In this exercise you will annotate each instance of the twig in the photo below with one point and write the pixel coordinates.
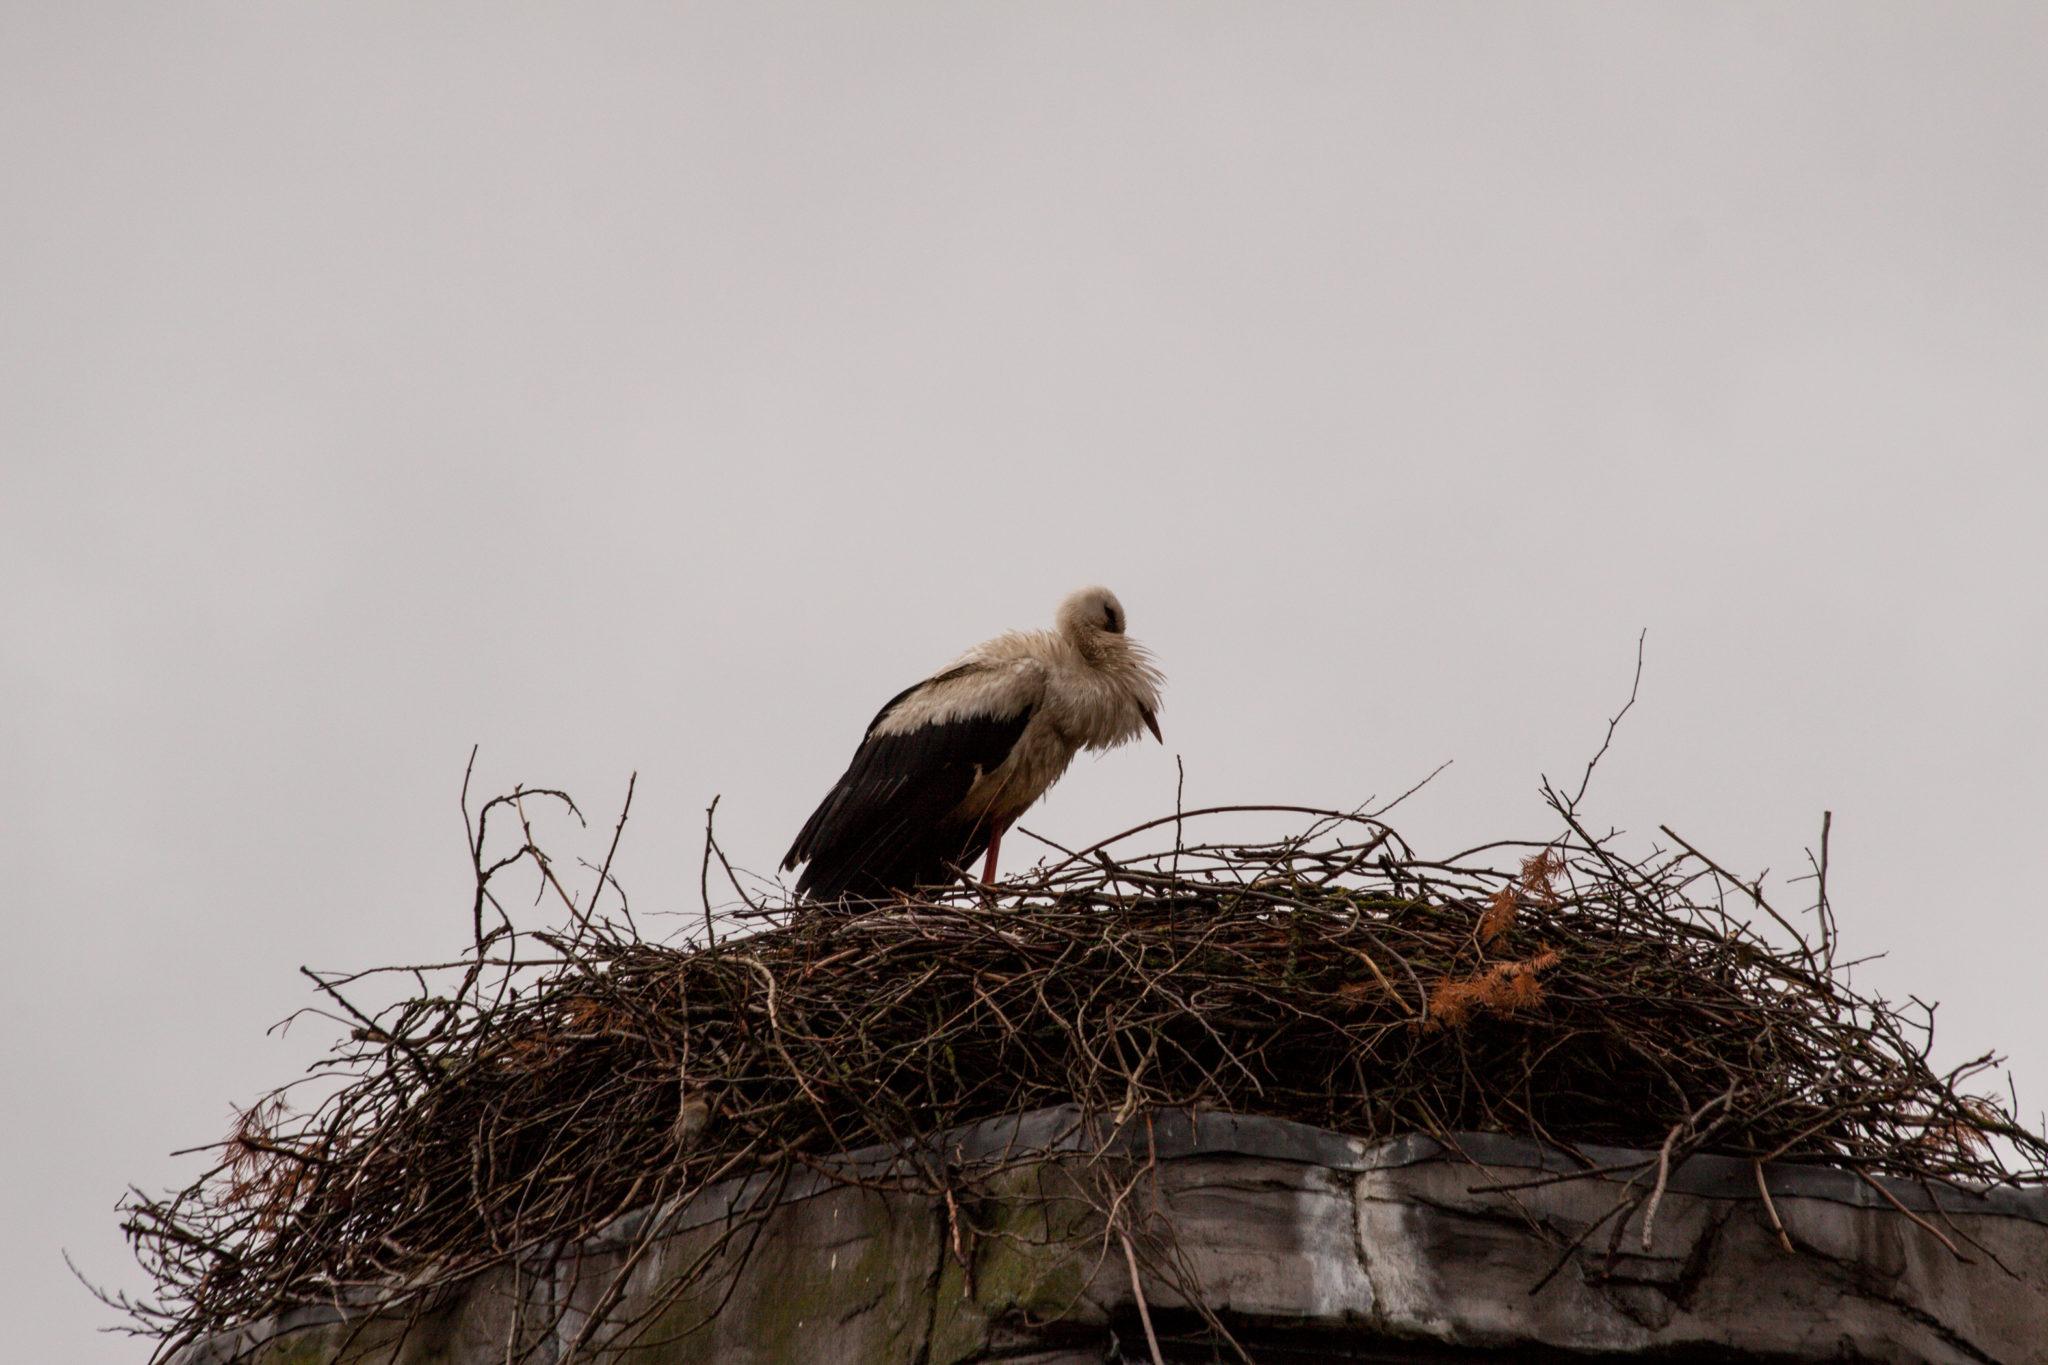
(1777, 1224)
(604, 874)
(1755, 893)
(1138, 1293)
(1376, 814)
(1657, 1194)
(1934, 1231)
(1616, 720)
(1690, 1121)
(1827, 912)
(704, 876)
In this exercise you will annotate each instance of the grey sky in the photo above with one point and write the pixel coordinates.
(659, 389)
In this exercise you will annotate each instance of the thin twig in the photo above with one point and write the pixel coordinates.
(704, 876)
(1777, 1224)
(1932, 1230)
(1615, 721)
(1138, 1293)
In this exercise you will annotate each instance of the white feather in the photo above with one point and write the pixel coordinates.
(1087, 687)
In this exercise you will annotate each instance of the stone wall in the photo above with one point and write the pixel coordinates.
(1310, 1247)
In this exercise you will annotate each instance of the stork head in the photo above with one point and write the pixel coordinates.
(1093, 621)
(1090, 613)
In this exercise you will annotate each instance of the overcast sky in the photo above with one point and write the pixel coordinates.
(657, 389)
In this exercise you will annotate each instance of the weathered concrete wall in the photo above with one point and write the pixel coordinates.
(1306, 1243)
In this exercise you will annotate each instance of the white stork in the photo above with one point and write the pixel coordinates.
(949, 764)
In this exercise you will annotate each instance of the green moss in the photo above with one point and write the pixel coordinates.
(876, 1285)
(1033, 1264)
(315, 1347)
(333, 1344)
(796, 1289)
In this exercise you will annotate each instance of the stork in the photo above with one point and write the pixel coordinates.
(949, 764)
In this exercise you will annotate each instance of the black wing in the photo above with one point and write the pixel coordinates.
(885, 826)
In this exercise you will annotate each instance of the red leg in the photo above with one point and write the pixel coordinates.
(988, 870)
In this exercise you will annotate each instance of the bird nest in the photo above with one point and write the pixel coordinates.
(1558, 990)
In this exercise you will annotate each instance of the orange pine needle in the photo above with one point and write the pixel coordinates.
(1499, 916)
(1501, 989)
(1539, 872)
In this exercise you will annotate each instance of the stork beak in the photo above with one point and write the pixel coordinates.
(1151, 723)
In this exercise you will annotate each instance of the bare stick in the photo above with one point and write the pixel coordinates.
(1663, 1175)
(1138, 1293)
(1827, 913)
(1180, 783)
(1937, 1233)
(704, 875)
(1615, 721)
(1178, 816)
(604, 874)
(1777, 1223)
(476, 852)
(1562, 1178)
(1376, 814)
(1755, 893)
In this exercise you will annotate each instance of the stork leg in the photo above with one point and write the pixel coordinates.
(988, 869)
